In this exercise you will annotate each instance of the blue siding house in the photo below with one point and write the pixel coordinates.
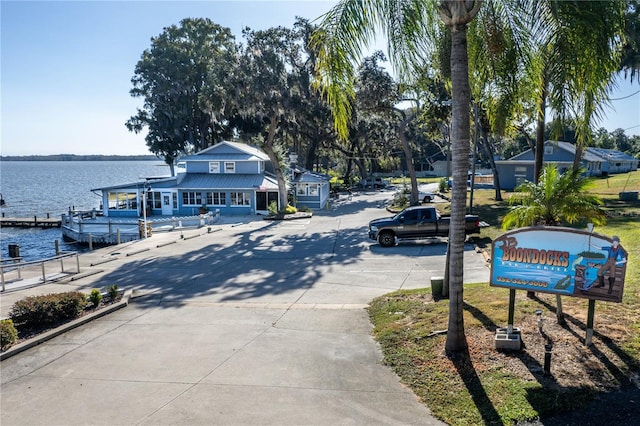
(310, 189)
(234, 178)
(595, 161)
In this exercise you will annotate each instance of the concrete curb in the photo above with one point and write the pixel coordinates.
(14, 350)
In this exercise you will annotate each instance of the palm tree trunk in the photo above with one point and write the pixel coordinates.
(460, 134)
(539, 151)
(540, 127)
(488, 149)
(409, 156)
(577, 158)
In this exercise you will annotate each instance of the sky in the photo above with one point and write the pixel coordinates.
(66, 68)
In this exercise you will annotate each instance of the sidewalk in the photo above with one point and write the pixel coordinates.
(259, 322)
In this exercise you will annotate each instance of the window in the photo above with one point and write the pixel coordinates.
(307, 189)
(214, 167)
(411, 216)
(216, 198)
(122, 200)
(191, 199)
(174, 199)
(240, 199)
(229, 167)
(427, 214)
(520, 174)
(548, 149)
(157, 199)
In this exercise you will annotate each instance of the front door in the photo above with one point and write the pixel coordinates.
(261, 201)
(167, 204)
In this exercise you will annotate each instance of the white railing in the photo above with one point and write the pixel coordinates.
(85, 227)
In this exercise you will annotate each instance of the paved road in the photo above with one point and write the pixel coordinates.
(259, 322)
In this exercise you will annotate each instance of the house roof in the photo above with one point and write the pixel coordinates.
(229, 151)
(587, 155)
(166, 182)
(307, 176)
(199, 181)
(203, 181)
(611, 154)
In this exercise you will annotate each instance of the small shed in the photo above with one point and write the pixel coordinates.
(310, 189)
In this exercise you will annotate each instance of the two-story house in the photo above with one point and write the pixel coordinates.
(234, 178)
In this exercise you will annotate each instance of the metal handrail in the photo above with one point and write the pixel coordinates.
(21, 265)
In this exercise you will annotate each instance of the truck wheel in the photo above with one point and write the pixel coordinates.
(387, 239)
(426, 199)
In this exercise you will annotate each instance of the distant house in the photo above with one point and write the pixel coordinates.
(234, 178)
(311, 189)
(595, 161)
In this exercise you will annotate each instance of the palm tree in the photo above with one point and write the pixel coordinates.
(412, 29)
(575, 52)
(556, 199)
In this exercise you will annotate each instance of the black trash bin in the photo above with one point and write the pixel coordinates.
(14, 250)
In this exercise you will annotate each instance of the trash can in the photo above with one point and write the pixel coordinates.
(14, 250)
(437, 283)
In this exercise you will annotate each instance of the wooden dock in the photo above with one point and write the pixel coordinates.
(31, 222)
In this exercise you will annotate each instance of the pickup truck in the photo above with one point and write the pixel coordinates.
(416, 222)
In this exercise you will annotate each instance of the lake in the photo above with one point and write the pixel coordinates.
(35, 188)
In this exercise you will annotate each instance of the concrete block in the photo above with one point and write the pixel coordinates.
(510, 341)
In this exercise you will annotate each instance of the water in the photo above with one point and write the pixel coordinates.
(35, 188)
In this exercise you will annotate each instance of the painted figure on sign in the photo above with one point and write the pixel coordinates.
(615, 258)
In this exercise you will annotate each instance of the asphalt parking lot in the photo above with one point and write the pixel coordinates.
(256, 322)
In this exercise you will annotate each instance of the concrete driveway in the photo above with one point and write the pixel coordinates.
(259, 322)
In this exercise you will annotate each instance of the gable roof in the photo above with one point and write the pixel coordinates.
(565, 146)
(302, 175)
(227, 150)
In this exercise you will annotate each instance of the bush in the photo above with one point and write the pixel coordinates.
(112, 292)
(38, 311)
(443, 185)
(290, 209)
(95, 297)
(273, 208)
(8, 334)
(400, 200)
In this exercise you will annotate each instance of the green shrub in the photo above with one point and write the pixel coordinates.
(400, 200)
(95, 297)
(273, 207)
(8, 334)
(443, 185)
(37, 311)
(112, 292)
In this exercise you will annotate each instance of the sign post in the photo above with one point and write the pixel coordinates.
(591, 310)
(512, 307)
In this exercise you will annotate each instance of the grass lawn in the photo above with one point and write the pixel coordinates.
(484, 385)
